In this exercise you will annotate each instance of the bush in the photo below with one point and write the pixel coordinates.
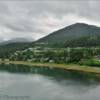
(90, 62)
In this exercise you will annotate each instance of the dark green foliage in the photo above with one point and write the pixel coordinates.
(69, 55)
(76, 55)
(6, 50)
(90, 62)
(86, 41)
(82, 56)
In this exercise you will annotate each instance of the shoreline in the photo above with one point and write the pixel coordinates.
(72, 67)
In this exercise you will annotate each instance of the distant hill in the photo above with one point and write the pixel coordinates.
(16, 44)
(71, 32)
(7, 49)
(16, 40)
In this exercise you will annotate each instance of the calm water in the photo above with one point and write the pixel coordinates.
(22, 83)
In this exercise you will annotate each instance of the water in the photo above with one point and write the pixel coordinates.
(44, 84)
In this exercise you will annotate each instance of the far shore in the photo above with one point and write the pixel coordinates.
(73, 67)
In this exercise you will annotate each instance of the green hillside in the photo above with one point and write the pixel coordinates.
(84, 41)
(7, 49)
(70, 33)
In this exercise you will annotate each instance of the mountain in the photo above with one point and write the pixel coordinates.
(71, 32)
(76, 35)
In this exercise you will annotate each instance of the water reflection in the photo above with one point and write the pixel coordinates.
(56, 73)
(46, 84)
(39, 87)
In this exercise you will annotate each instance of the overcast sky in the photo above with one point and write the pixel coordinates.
(37, 18)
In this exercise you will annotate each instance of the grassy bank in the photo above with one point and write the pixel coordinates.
(73, 67)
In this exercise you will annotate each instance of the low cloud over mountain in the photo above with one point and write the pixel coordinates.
(37, 18)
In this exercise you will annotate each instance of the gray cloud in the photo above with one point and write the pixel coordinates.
(37, 18)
